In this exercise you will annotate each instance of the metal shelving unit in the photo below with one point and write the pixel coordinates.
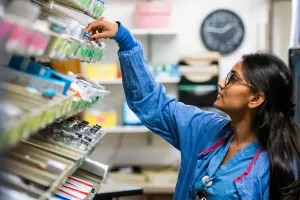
(32, 158)
(54, 5)
(43, 113)
(75, 156)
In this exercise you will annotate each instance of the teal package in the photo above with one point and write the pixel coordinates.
(21, 63)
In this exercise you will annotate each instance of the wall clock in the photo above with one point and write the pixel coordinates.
(222, 31)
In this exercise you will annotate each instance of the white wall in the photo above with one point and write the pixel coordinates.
(254, 13)
(187, 17)
(282, 16)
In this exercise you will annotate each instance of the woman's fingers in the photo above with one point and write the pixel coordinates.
(105, 34)
(102, 29)
(96, 25)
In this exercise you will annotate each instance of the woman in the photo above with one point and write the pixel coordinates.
(255, 155)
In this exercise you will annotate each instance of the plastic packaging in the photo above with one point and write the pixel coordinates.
(71, 27)
(85, 90)
(73, 133)
(23, 39)
(30, 14)
(80, 183)
(19, 39)
(99, 10)
(90, 10)
(96, 9)
(75, 46)
(84, 48)
(40, 40)
(95, 167)
(78, 32)
(55, 47)
(57, 25)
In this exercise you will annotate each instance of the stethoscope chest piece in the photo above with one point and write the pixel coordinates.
(207, 182)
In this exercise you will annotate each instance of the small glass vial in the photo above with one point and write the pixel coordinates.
(85, 143)
(75, 140)
(89, 143)
(88, 47)
(66, 137)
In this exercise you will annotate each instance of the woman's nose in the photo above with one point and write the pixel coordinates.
(221, 84)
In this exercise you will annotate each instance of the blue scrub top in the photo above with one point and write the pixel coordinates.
(198, 135)
(223, 186)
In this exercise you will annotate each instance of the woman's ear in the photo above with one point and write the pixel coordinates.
(256, 100)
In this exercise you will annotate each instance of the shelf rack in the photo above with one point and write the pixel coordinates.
(75, 156)
(49, 5)
(33, 120)
(161, 31)
(19, 140)
(72, 158)
(128, 129)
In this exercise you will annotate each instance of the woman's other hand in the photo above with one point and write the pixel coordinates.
(102, 29)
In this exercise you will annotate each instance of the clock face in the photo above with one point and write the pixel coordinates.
(222, 31)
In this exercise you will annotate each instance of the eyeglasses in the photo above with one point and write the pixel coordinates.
(232, 78)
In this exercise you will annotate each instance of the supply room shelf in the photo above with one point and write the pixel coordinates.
(37, 112)
(145, 31)
(128, 129)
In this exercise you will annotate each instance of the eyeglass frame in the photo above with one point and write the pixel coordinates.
(231, 75)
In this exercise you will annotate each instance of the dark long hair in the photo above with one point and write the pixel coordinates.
(273, 124)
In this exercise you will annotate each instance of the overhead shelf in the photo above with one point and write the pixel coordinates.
(46, 43)
(55, 5)
(128, 129)
(37, 112)
(144, 31)
(166, 80)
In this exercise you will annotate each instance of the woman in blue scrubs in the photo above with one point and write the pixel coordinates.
(253, 155)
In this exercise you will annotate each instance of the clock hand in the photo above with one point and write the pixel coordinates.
(227, 28)
(219, 30)
(213, 29)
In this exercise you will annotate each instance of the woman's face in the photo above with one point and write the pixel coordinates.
(234, 93)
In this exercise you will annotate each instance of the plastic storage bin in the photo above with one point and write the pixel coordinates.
(153, 14)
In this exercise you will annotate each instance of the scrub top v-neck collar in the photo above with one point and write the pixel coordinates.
(214, 169)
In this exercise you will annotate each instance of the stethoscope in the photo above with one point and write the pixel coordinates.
(207, 182)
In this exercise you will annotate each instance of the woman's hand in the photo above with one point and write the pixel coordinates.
(102, 29)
